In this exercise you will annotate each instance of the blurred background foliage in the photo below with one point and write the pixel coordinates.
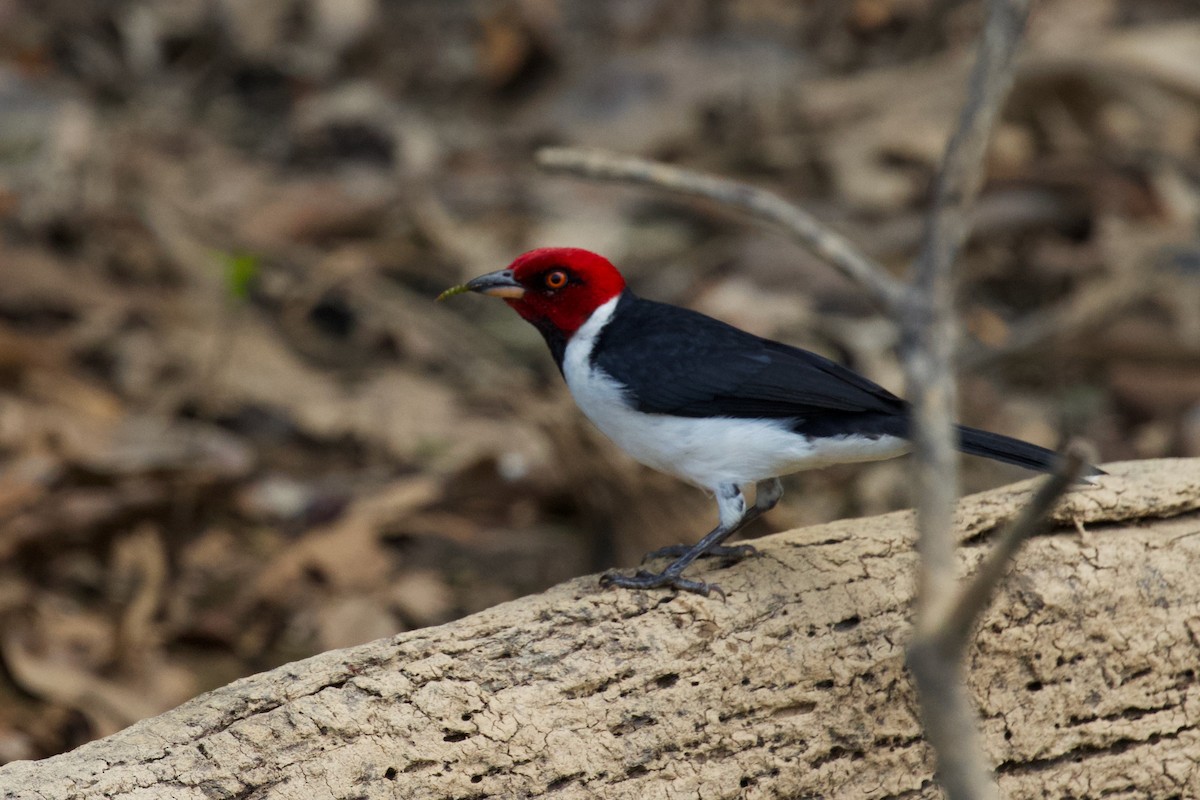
(234, 428)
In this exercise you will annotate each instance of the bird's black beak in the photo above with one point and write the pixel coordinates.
(497, 284)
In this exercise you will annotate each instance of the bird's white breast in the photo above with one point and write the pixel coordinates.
(705, 451)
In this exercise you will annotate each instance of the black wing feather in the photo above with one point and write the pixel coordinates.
(680, 362)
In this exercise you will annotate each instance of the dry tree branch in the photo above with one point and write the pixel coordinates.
(935, 655)
(973, 598)
(929, 332)
(767, 206)
(928, 339)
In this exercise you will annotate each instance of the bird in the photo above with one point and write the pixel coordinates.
(709, 403)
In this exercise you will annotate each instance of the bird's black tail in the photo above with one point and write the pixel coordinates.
(1011, 451)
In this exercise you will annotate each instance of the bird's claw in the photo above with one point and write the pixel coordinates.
(731, 553)
(657, 580)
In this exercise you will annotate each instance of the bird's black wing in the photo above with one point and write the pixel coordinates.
(680, 362)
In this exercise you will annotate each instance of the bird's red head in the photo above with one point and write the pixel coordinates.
(556, 286)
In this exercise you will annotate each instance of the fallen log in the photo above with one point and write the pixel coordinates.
(1084, 671)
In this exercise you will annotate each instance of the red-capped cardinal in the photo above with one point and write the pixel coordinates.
(705, 401)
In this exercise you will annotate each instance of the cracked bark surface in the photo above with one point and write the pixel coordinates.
(1085, 671)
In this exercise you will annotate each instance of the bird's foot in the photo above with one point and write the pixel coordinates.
(656, 580)
(731, 553)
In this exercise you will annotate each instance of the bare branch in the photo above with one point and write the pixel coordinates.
(928, 341)
(834, 248)
(935, 655)
(929, 331)
(955, 629)
(961, 172)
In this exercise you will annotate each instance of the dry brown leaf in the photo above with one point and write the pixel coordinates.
(53, 672)
(349, 553)
(138, 583)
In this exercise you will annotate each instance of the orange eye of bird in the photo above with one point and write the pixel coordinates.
(556, 279)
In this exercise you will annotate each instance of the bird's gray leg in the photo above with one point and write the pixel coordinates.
(733, 514)
(766, 497)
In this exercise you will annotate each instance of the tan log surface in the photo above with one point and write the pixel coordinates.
(1085, 671)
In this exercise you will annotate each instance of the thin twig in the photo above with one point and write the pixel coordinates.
(936, 653)
(955, 629)
(929, 333)
(831, 246)
(928, 338)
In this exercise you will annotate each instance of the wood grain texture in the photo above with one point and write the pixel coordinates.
(1085, 672)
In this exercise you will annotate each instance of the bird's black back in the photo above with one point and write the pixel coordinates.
(680, 362)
